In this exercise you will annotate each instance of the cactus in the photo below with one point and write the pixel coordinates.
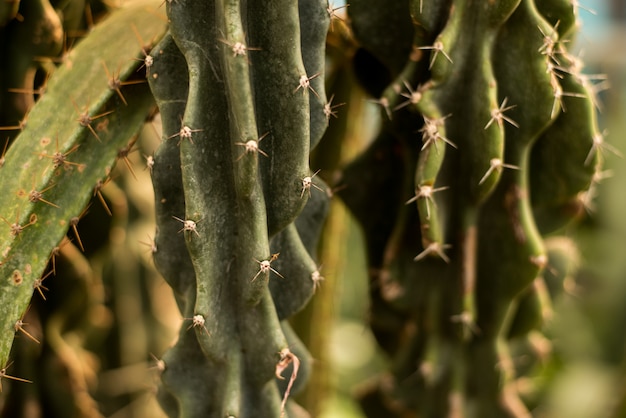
(86, 118)
(489, 140)
(245, 123)
(492, 93)
(50, 173)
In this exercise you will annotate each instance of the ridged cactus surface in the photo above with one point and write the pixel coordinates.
(242, 102)
(494, 126)
(491, 124)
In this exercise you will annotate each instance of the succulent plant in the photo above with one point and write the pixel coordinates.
(492, 127)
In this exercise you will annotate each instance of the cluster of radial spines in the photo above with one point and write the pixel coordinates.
(426, 192)
(329, 109)
(431, 132)
(558, 62)
(413, 95)
(436, 48)
(251, 147)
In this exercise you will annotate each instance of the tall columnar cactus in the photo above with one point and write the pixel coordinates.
(492, 126)
(240, 90)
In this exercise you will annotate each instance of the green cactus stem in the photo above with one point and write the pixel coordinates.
(240, 131)
(50, 172)
(492, 129)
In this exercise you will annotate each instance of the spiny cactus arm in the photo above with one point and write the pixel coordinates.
(168, 78)
(240, 99)
(282, 90)
(314, 22)
(566, 160)
(514, 63)
(518, 62)
(206, 153)
(225, 224)
(461, 97)
(34, 226)
(464, 87)
(186, 366)
(507, 219)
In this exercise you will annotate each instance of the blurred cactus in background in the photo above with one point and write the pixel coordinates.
(492, 127)
(485, 150)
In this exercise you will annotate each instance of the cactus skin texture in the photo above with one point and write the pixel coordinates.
(492, 130)
(49, 173)
(238, 211)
